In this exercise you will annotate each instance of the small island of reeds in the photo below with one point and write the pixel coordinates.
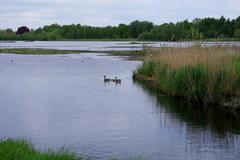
(200, 75)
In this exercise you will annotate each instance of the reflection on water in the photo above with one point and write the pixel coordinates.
(207, 132)
(212, 118)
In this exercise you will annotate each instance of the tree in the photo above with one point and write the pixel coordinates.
(237, 23)
(123, 31)
(237, 33)
(138, 27)
(22, 30)
(9, 31)
(205, 28)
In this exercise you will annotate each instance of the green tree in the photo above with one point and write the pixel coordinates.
(237, 33)
(138, 27)
(9, 31)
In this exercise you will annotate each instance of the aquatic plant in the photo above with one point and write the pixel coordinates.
(198, 74)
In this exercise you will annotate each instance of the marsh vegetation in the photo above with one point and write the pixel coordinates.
(40, 51)
(197, 74)
(36, 51)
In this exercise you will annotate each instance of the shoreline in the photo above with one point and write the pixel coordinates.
(200, 76)
(130, 40)
(230, 105)
(11, 148)
(40, 51)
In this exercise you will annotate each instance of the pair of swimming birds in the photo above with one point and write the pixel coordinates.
(116, 80)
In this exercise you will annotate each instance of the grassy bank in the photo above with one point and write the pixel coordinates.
(36, 51)
(126, 53)
(199, 75)
(12, 149)
(23, 150)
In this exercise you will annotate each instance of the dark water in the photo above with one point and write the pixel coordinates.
(57, 100)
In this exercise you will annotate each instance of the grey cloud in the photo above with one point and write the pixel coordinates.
(36, 13)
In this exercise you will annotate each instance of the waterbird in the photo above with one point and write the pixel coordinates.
(106, 79)
(117, 80)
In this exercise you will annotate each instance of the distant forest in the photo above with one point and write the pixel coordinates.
(198, 29)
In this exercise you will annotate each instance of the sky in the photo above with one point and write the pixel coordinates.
(37, 13)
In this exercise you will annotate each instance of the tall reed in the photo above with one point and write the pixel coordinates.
(201, 75)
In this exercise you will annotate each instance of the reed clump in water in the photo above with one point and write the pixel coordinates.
(198, 74)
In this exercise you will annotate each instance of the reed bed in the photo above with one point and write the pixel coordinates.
(203, 75)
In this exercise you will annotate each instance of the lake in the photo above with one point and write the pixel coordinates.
(105, 45)
(62, 100)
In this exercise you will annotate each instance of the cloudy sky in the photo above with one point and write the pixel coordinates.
(36, 13)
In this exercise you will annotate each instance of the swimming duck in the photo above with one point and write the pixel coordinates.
(106, 79)
(117, 80)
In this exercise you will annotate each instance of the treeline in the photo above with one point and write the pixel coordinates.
(78, 31)
(198, 29)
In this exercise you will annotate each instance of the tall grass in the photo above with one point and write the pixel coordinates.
(201, 75)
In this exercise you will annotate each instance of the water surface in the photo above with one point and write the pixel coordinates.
(61, 100)
(106, 45)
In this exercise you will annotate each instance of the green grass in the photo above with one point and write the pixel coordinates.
(23, 150)
(39, 51)
(36, 51)
(127, 53)
(15, 149)
(202, 76)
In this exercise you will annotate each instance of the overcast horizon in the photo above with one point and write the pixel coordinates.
(37, 13)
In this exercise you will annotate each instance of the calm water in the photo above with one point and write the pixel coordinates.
(105, 45)
(57, 100)
(74, 45)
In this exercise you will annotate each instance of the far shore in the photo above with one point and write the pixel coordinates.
(137, 41)
(40, 51)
